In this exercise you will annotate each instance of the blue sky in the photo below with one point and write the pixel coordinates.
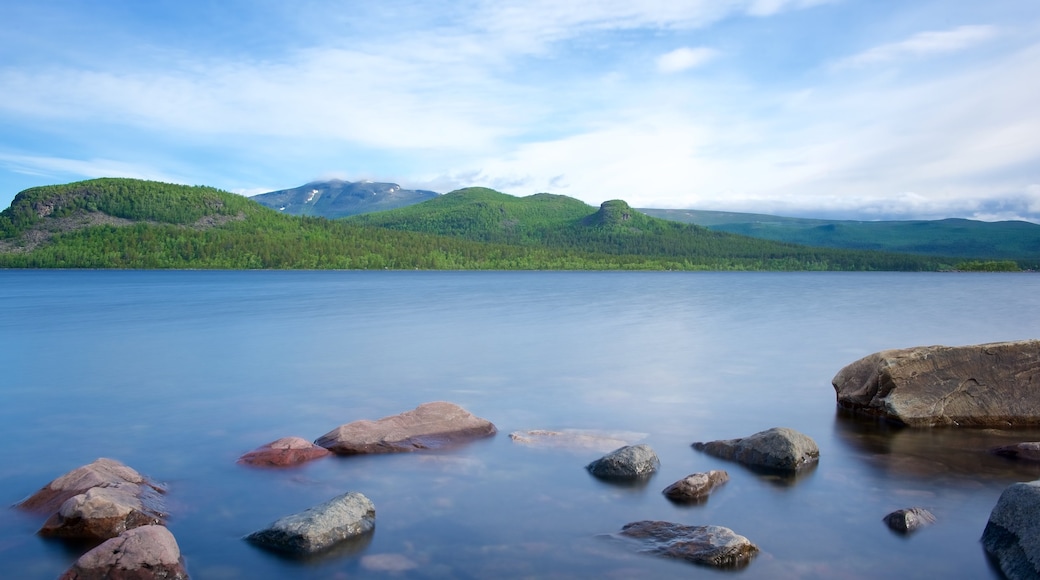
(858, 109)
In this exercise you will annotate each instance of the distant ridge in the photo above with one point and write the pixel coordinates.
(336, 198)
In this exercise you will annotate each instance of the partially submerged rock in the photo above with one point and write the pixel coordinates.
(696, 487)
(778, 448)
(1027, 451)
(102, 513)
(101, 472)
(708, 545)
(428, 426)
(909, 520)
(284, 452)
(629, 462)
(1012, 534)
(986, 385)
(144, 553)
(576, 438)
(320, 527)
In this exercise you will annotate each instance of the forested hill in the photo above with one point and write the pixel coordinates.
(127, 223)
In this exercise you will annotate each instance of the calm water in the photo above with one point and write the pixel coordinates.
(178, 373)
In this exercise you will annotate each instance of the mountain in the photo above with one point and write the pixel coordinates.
(128, 223)
(959, 238)
(335, 198)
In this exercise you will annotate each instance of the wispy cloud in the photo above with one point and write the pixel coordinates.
(923, 44)
(684, 58)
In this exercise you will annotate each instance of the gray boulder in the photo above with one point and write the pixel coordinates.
(102, 513)
(909, 520)
(144, 553)
(778, 448)
(429, 426)
(985, 385)
(707, 545)
(629, 462)
(695, 487)
(1012, 535)
(318, 528)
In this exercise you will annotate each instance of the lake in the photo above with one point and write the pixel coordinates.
(177, 374)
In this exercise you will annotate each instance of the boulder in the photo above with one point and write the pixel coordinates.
(986, 385)
(708, 545)
(778, 448)
(318, 528)
(102, 513)
(428, 426)
(1028, 451)
(909, 520)
(285, 452)
(576, 439)
(100, 473)
(144, 553)
(629, 462)
(1012, 535)
(695, 487)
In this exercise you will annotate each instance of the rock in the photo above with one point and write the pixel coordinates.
(576, 439)
(102, 513)
(428, 426)
(285, 452)
(629, 462)
(1012, 535)
(709, 545)
(909, 519)
(144, 553)
(696, 487)
(320, 527)
(986, 385)
(1028, 451)
(100, 473)
(778, 448)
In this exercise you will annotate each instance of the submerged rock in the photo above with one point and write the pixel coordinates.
(778, 448)
(102, 513)
(985, 385)
(629, 462)
(576, 438)
(144, 553)
(320, 527)
(696, 487)
(284, 452)
(708, 545)
(1012, 534)
(101, 472)
(909, 520)
(1027, 451)
(428, 426)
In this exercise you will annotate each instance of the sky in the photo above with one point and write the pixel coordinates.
(839, 109)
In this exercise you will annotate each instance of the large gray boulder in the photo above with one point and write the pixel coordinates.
(144, 553)
(429, 426)
(778, 448)
(695, 487)
(986, 385)
(708, 545)
(1012, 535)
(318, 528)
(629, 462)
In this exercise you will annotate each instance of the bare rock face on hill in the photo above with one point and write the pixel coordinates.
(429, 426)
(986, 385)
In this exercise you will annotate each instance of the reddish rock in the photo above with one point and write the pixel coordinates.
(144, 553)
(428, 426)
(102, 513)
(101, 473)
(696, 487)
(285, 452)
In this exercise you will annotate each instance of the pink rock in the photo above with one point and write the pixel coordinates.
(428, 426)
(103, 512)
(102, 472)
(144, 553)
(285, 452)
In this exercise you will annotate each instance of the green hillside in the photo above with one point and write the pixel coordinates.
(959, 238)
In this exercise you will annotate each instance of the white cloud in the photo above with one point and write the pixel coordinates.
(85, 168)
(684, 58)
(923, 44)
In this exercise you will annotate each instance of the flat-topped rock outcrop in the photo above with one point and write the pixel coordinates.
(986, 385)
(429, 426)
